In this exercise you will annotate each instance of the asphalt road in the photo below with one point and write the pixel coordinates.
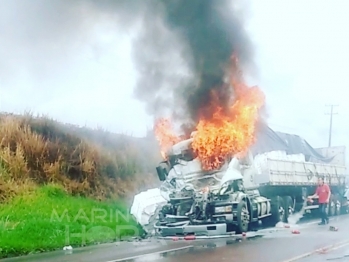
(314, 243)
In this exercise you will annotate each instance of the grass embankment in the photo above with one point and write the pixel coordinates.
(48, 218)
(57, 179)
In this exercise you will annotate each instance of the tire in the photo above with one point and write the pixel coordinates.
(332, 206)
(338, 205)
(289, 209)
(345, 210)
(344, 206)
(277, 210)
(243, 217)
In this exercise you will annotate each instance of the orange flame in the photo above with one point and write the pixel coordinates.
(228, 133)
(165, 135)
(231, 132)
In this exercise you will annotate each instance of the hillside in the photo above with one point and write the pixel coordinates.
(87, 162)
(47, 166)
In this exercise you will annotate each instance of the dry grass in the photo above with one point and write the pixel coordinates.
(95, 163)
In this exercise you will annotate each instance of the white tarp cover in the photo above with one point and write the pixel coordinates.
(261, 160)
(268, 140)
(145, 204)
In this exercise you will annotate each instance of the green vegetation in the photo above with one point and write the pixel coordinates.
(48, 218)
(56, 179)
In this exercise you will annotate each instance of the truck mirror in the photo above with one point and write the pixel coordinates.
(161, 173)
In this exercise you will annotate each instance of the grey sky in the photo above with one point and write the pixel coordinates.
(75, 65)
(303, 62)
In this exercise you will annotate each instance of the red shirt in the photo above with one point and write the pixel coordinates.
(323, 193)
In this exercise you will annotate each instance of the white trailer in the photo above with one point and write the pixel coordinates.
(289, 179)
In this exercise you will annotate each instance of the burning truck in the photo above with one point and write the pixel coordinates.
(234, 171)
(269, 184)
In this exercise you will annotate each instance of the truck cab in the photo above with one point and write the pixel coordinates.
(212, 202)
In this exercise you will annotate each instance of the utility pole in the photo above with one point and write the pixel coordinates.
(331, 114)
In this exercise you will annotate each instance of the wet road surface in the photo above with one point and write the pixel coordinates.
(314, 243)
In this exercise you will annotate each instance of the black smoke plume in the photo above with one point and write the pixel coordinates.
(205, 34)
(180, 47)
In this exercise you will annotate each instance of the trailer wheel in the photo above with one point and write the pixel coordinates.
(338, 204)
(277, 210)
(289, 209)
(332, 206)
(243, 217)
(345, 208)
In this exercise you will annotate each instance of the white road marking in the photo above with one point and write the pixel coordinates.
(340, 246)
(325, 248)
(153, 253)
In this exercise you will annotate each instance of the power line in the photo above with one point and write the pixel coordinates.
(330, 131)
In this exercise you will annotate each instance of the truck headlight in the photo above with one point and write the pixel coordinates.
(223, 209)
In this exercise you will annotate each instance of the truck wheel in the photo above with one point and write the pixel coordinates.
(243, 217)
(338, 205)
(344, 205)
(332, 206)
(277, 210)
(289, 209)
(345, 209)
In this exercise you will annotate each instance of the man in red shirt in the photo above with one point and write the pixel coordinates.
(323, 192)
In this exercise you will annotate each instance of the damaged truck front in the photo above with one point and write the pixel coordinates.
(205, 203)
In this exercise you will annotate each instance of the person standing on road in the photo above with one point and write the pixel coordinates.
(323, 192)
